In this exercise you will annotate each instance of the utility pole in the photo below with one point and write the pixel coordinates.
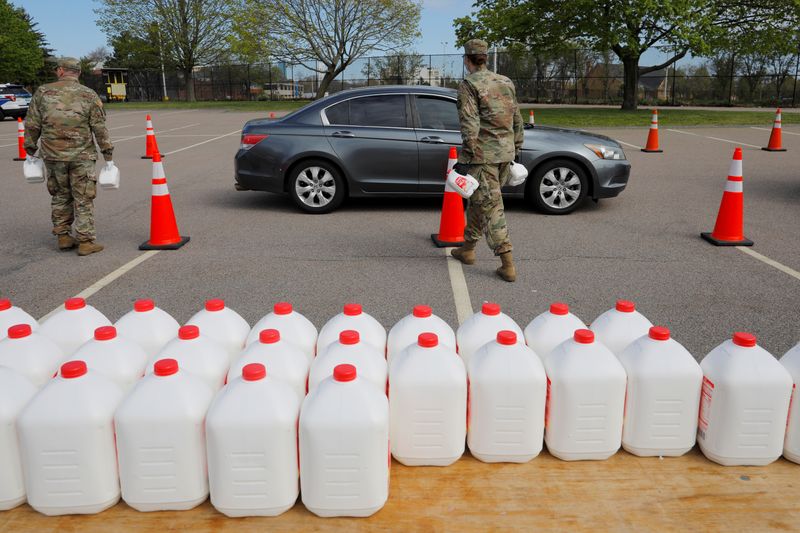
(495, 58)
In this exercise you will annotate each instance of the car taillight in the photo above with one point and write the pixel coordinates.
(249, 140)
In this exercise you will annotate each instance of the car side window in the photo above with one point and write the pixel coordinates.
(437, 113)
(339, 113)
(388, 111)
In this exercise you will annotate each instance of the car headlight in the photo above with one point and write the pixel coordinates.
(606, 152)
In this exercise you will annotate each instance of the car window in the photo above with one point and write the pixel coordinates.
(437, 113)
(339, 113)
(15, 90)
(387, 111)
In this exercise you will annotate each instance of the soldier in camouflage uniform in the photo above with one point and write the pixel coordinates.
(64, 116)
(492, 135)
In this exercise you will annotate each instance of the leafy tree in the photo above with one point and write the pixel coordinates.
(134, 52)
(627, 27)
(398, 69)
(22, 46)
(324, 36)
(192, 32)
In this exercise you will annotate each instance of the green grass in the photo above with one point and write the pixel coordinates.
(571, 117)
(604, 117)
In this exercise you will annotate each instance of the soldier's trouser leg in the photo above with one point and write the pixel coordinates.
(83, 183)
(485, 213)
(61, 204)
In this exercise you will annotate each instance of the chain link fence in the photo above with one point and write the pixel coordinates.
(576, 77)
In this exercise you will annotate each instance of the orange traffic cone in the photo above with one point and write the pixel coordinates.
(452, 223)
(151, 146)
(775, 141)
(729, 229)
(531, 119)
(652, 137)
(272, 114)
(163, 226)
(21, 140)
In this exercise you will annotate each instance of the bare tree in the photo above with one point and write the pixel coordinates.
(397, 69)
(325, 36)
(192, 32)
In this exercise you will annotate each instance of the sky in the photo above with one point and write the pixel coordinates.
(70, 27)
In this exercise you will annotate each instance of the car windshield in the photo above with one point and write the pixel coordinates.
(16, 91)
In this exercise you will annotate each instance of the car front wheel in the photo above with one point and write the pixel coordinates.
(316, 187)
(558, 187)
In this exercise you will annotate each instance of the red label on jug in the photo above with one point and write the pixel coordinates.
(705, 407)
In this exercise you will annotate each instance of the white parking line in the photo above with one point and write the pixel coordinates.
(459, 285)
(203, 142)
(770, 129)
(120, 127)
(628, 144)
(162, 131)
(108, 279)
(738, 143)
(771, 262)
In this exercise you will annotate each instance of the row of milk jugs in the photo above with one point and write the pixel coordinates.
(178, 433)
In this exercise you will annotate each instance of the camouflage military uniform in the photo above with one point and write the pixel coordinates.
(64, 116)
(492, 134)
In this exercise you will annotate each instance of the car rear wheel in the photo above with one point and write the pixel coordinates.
(558, 187)
(316, 186)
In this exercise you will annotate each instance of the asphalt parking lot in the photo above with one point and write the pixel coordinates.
(254, 249)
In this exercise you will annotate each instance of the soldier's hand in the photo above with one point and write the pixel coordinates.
(461, 168)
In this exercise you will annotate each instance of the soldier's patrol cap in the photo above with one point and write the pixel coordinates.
(476, 47)
(68, 63)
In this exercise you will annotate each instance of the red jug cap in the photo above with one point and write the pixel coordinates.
(559, 308)
(105, 333)
(73, 369)
(19, 331)
(74, 303)
(254, 372)
(626, 306)
(269, 336)
(507, 338)
(165, 367)
(584, 336)
(188, 332)
(352, 309)
(143, 305)
(747, 340)
(428, 340)
(491, 309)
(282, 308)
(344, 372)
(659, 333)
(422, 311)
(349, 336)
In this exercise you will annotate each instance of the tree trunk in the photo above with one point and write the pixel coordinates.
(630, 88)
(188, 81)
(327, 79)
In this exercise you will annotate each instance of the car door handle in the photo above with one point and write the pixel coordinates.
(432, 140)
(343, 134)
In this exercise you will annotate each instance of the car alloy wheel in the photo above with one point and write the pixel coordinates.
(315, 187)
(560, 188)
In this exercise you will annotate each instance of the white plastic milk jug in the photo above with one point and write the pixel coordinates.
(251, 432)
(284, 360)
(31, 354)
(147, 325)
(791, 445)
(117, 358)
(421, 320)
(352, 317)
(15, 393)
(427, 404)
(744, 404)
(196, 354)
(11, 315)
(618, 327)
(294, 327)
(344, 446)
(349, 349)
(73, 325)
(224, 325)
(663, 396)
(507, 393)
(585, 399)
(161, 440)
(551, 328)
(482, 327)
(66, 434)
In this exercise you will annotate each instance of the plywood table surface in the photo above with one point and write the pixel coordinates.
(625, 493)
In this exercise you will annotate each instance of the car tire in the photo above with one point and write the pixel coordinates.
(557, 187)
(316, 186)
